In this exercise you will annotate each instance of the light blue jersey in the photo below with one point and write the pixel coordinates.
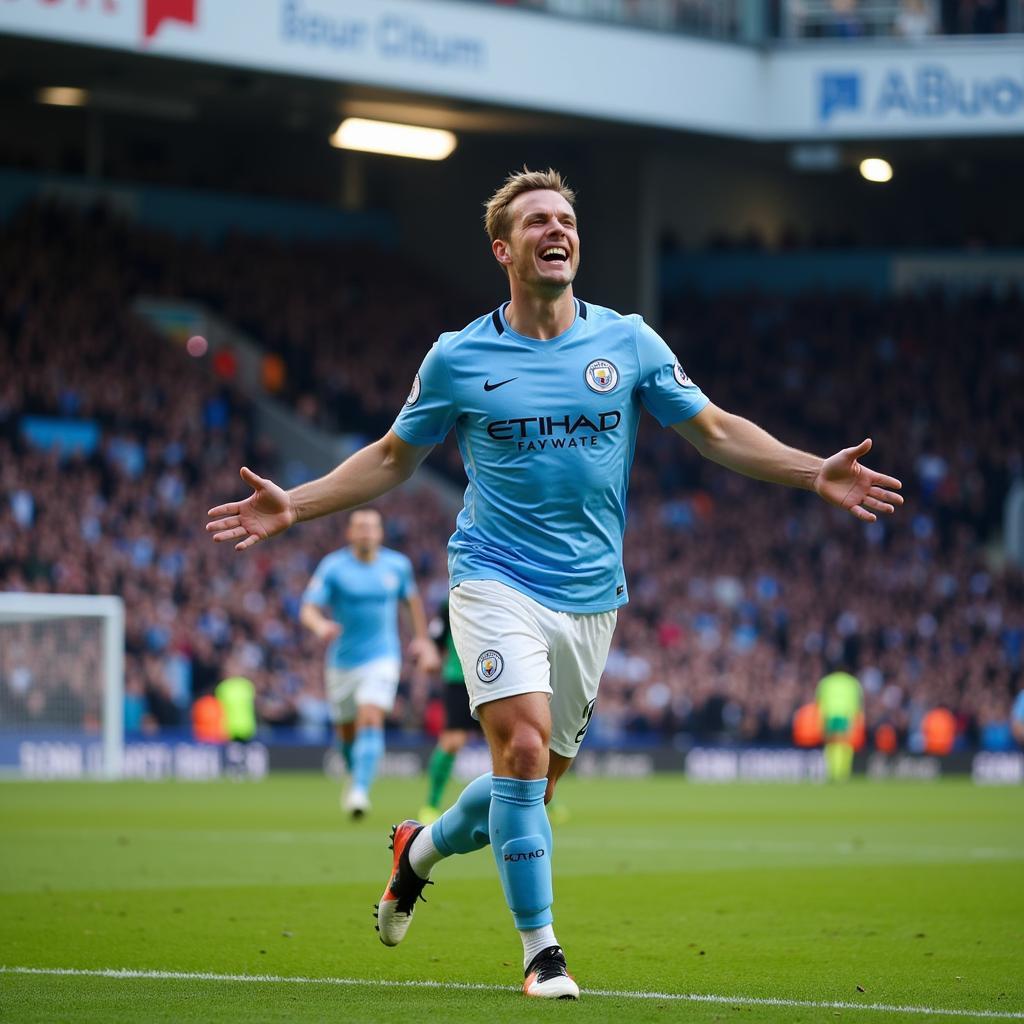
(363, 597)
(547, 431)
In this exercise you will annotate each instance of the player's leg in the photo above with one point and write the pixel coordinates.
(838, 760)
(501, 633)
(578, 658)
(459, 722)
(577, 655)
(518, 730)
(367, 751)
(342, 710)
(375, 697)
(558, 765)
(345, 736)
(439, 768)
(341, 701)
(838, 749)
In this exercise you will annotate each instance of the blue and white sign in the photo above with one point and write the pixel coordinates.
(932, 92)
(973, 88)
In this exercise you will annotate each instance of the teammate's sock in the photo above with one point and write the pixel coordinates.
(439, 771)
(366, 754)
(345, 749)
(462, 828)
(535, 940)
(521, 839)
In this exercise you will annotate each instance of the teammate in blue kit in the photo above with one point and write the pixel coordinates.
(352, 603)
(545, 394)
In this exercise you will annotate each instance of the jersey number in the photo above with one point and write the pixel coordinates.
(588, 713)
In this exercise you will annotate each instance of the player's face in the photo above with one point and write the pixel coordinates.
(543, 250)
(365, 532)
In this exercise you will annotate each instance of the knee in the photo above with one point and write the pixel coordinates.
(369, 717)
(525, 753)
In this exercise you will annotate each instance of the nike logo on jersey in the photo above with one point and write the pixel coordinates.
(488, 386)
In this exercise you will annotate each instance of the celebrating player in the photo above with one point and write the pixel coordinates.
(352, 603)
(545, 395)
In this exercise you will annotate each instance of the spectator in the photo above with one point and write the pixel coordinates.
(916, 20)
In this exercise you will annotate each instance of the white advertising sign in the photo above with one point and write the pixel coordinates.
(453, 49)
(526, 59)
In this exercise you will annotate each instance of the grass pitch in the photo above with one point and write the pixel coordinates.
(898, 896)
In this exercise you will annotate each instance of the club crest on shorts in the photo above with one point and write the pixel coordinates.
(489, 666)
(680, 375)
(414, 394)
(601, 376)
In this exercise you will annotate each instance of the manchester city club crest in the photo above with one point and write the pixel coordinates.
(601, 376)
(489, 666)
(414, 394)
(680, 375)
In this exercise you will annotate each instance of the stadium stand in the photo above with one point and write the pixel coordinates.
(804, 19)
(742, 595)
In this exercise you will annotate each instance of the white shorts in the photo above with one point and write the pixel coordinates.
(510, 644)
(375, 682)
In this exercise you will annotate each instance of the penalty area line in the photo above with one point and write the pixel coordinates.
(128, 973)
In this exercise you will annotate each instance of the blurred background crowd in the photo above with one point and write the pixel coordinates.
(806, 19)
(742, 595)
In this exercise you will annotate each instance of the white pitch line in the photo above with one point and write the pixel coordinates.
(468, 986)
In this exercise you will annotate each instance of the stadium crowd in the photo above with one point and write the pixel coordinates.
(741, 594)
(834, 19)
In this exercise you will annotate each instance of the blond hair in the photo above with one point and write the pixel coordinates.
(497, 220)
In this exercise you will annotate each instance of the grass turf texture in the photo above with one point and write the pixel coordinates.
(914, 892)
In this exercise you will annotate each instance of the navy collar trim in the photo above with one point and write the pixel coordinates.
(499, 326)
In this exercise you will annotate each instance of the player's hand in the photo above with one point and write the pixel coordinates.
(328, 632)
(424, 652)
(844, 482)
(266, 512)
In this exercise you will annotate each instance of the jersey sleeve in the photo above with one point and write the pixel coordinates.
(429, 411)
(318, 589)
(407, 586)
(665, 390)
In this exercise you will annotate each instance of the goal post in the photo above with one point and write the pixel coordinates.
(62, 680)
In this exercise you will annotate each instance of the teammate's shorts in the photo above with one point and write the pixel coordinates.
(837, 727)
(456, 708)
(375, 682)
(509, 644)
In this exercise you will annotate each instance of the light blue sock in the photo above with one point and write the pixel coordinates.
(463, 827)
(366, 754)
(345, 749)
(521, 840)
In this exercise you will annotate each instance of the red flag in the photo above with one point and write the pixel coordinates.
(159, 11)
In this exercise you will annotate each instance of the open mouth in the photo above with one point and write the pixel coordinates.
(555, 254)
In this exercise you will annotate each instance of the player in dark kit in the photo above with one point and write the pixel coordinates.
(458, 719)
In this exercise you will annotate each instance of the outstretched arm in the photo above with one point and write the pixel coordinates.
(744, 447)
(270, 509)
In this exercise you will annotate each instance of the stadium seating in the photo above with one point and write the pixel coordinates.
(742, 594)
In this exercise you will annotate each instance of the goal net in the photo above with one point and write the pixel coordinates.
(61, 685)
